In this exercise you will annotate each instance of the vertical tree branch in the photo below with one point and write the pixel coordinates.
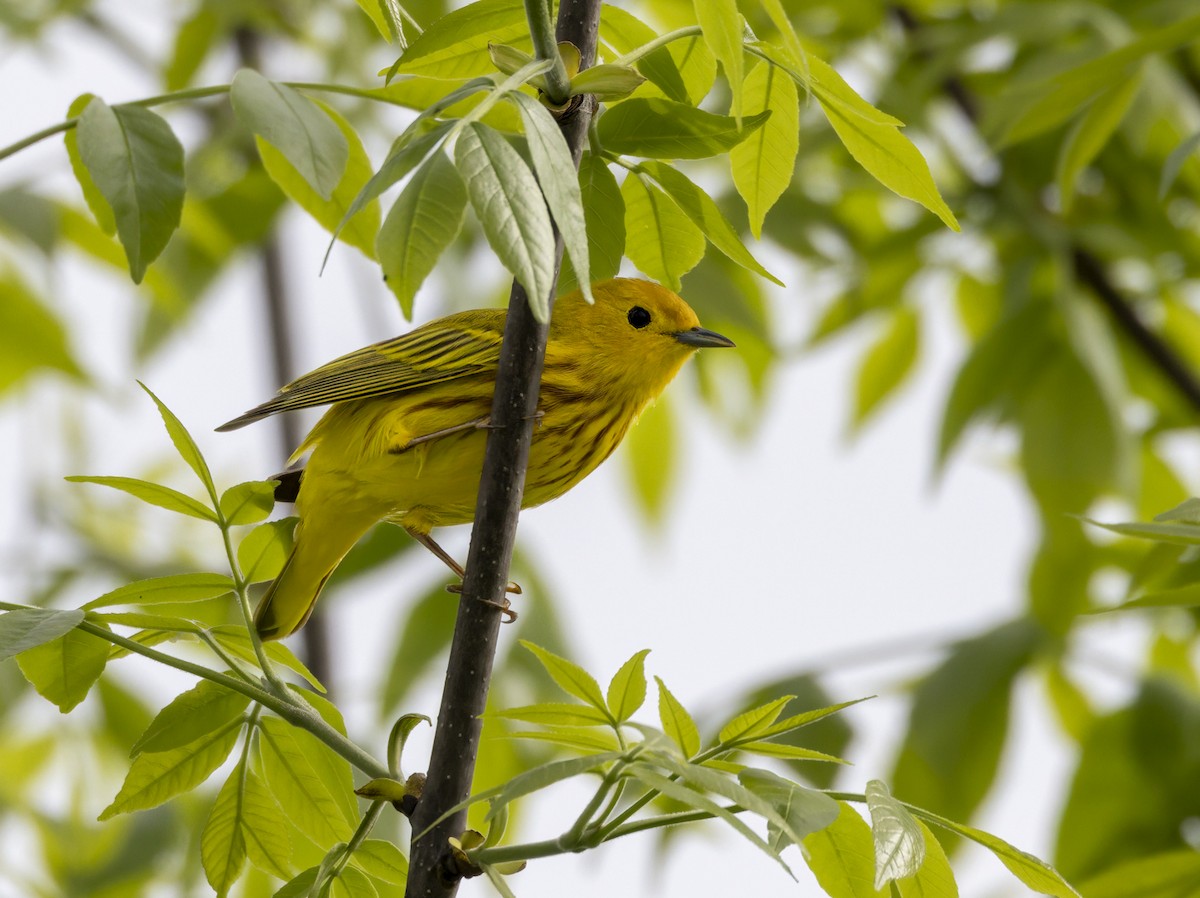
(315, 635)
(476, 632)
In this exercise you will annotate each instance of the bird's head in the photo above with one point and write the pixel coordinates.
(639, 333)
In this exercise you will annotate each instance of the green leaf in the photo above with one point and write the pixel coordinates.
(351, 882)
(805, 810)
(1175, 162)
(1171, 874)
(887, 363)
(959, 720)
(248, 503)
(539, 778)
(136, 163)
(194, 40)
(511, 210)
(198, 587)
(677, 722)
(763, 163)
(627, 689)
(300, 130)
(572, 678)
(704, 213)
(604, 214)
(154, 494)
(455, 46)
(789, 752)
(754, 723)
(899, 842)
(607, 82)
(1177, 534)
(408, 151)
(424, 220)
(577, 738)
(203, 709)
(691, 798)
(659, 238)
(1048, 103)
(935, 879)
(306, 798)
(332, 211)
(555, 714)
(300, 885)
(95, 200)
(1033, 872)
(382, 860)
(721, 25)
(1003, 363)
(64, 669)
(236, 639)
(789, 724)
(665, 129)
(263, 551)
(31, 336)
(245, 821)
(559, 181)
(184, 444)
(1091, 133)
(155, 777)
(651, 454)
(841, 856)
(385, 14)
(27, 628)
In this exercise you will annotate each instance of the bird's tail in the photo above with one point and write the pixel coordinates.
(289, 600)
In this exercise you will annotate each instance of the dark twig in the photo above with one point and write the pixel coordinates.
(1089, 269)
(315, 635)
(456, 739)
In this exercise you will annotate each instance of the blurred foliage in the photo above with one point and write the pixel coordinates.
(1064, 137)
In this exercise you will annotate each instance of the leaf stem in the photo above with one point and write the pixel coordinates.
(646, 49)
(545, 47)
(295, 712)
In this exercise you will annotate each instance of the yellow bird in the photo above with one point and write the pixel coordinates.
(404, 438)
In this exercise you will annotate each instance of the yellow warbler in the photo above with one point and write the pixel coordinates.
(404, 438)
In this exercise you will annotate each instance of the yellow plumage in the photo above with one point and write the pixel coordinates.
(404, 438)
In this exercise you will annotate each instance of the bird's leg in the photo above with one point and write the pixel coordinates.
(431, 544)
(477, 424)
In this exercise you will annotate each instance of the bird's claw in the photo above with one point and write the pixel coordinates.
(505, 606)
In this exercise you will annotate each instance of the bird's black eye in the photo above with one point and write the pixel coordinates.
(638, 317)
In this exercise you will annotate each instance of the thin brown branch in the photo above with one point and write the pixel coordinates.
(476, 633)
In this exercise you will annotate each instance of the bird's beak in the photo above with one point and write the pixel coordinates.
(700, 336)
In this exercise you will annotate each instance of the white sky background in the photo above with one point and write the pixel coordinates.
(793, 550)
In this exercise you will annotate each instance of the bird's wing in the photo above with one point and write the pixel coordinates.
(460, 345)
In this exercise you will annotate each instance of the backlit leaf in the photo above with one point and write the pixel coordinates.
(27, 628)
(763, 163)
(154, 494)
(203, 709)
(64, 669)
(455, 46)
(665, 129)
(659, 238)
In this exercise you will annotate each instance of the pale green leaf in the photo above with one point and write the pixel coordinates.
(382, 860)
(559, 181)
(511, 210)
(302, 132)
(659, 238)
(604, 213)
(222, 843)
(153, 494)
(763, 163)
(754, 723)
(706, 215)
(665, 129)
(95, 200)
(789, 752)
(136, 163)
(155, 777)
(804, 810)
(1169, 874)
(31, 336)
(27, 628)
(197, 587)
(899, 842)
(352, 883)
(64, 669)
(607, 82)
(385, 15)
(841, 856)
(331, 209)
(194, 40)
(789, 724)
(308, 800)
(183, 442)
(262, 552)
(543, 776)
(935, 879)
(236, 639)
(555, 714)
(887, 363)
(650, 452)
(721, 25)
(627, 689)
(265, 829)
(455, 46)
(1091, 133)
(572, 678)
(248, 503)
(203, 709)
(677, 722)
(423, 221)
